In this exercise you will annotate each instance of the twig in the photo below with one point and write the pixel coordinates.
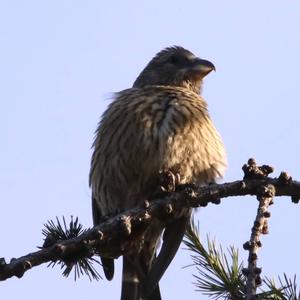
(112, 237)
(260, 226)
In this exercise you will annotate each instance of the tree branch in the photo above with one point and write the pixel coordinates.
(112, 237)
(260, 226)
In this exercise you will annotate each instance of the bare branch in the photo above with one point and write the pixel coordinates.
(112, 237)
(260, 226)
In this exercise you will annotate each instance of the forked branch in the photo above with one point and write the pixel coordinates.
(112, 237)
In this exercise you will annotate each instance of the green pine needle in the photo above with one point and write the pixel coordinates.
(55, 232)
(286, 291)
(218, 276)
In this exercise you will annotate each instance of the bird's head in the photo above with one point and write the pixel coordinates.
(175, 66)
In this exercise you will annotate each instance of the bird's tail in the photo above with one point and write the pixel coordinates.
(142, 273)
(172, 238)
(132, 281)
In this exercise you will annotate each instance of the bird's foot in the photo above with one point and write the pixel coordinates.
(168, 181)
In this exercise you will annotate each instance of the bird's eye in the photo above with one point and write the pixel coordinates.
(174, 59)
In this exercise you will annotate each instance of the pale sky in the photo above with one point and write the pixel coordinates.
(61, 60)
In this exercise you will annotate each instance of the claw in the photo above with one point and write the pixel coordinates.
(168, 181)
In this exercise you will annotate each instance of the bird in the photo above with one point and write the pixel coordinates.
(160, 124)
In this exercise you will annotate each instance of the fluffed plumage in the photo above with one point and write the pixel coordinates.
(159, 124)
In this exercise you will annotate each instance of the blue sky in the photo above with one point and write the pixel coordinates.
(61, 60)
